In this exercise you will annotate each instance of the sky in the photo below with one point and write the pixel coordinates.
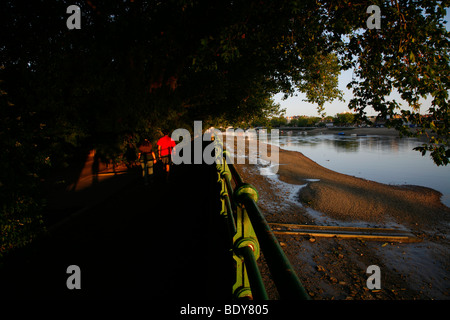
(296, 106)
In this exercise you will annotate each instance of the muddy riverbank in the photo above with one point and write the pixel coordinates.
(303, 192)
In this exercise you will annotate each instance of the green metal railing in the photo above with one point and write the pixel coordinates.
(249, 233)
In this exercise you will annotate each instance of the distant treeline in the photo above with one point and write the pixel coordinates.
(340, 119)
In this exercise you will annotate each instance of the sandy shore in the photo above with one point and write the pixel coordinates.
(346, 197)
(335, 269)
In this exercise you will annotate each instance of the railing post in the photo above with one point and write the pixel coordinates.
(285, 278)
(226, 210)
(246, 252)
(256, 282)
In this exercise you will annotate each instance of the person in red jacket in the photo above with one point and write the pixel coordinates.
(165, 147)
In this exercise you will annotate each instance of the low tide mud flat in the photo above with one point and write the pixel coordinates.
(303, 192)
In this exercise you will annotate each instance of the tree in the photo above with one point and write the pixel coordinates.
(344, 119)
(410, 54)
(269, 110)
(174, 61)
(279, 121)
(320, 80)
(21, 161)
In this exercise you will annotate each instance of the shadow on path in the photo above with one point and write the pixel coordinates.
(159, 241)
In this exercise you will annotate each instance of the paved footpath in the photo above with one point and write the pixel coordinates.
(162, 241)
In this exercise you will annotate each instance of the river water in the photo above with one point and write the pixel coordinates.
(384, 159)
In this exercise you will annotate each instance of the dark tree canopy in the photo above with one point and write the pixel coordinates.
(137, 66)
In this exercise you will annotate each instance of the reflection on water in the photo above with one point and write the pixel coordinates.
(388, 160)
